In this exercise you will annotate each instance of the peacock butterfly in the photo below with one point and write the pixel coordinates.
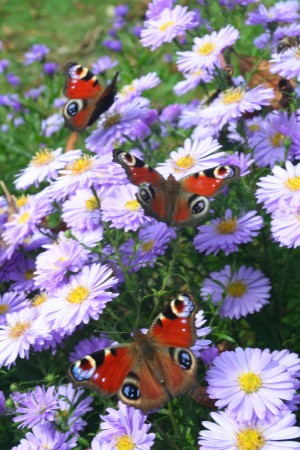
(180, 203)
(87, 98)
(152, 369)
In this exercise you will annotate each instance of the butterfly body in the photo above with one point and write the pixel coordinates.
(180, 203)
(87, 98)
(152, 369)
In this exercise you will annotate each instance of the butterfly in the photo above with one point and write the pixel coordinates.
(87, 98)
(152, 369)
(180, 203)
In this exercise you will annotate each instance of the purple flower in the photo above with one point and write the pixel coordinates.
(228, 233)
(34, 93)
(201, 331)
(4, 63)
(287, 64)
(156, 7)
(227, 433)
(13, 79)
(208, 354)
(249, 383)
(207, 49)
(73, 406)
(82, 299)
(137, 86)
(36, 407)
(241, 293)
(2, 403)
(238, 159)
(192, 80)
(284, 11)
(60, 257)
(36, 53)
(46, 436)
(91, 345)
(123, 428)
(113, 44)
(285, 227)
(82, 210)
(171, 23)
(50, 68)
(22, 329)
(103, 64)
(121, 10)
(52, 124)
(11, 302)
(263, 40)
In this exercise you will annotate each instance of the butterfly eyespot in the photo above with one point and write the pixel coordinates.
(199, 205)
(182, 306)
(73, 107)
(146, 194)
(223, 172)
(131, 391)
(127, 158)
(184, 360)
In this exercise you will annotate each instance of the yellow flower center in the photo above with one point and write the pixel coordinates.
(237, 289)
(112, 120)
(147, 246)
(185, 162)
(81, 165)
(91, 204)
(19, 329)
(3, 309)
(132, 205)
(23, 218)
(22, 201)
(297, 53)
(28, 275)
(129, 89)
(206, 49)
(249, 439)
(226, 226)
(42, 158)
(78, 294)
(293, 183)
(125, 443)
(254, 127)
(250, 382)
(196, 73)
(166, 25)
(233, 96)
(277, 139)
(39, 299)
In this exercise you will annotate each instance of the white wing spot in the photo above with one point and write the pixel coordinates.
(103, 379)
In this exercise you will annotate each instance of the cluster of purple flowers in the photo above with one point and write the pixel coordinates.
(77, 238)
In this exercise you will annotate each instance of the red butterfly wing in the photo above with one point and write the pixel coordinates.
(81, 83)
(209, 181)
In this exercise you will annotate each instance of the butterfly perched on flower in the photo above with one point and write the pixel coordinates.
(87, 97)
(152, 369)
(180, 203)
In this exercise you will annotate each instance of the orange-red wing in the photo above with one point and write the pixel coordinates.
(181, 211)
(83, 89)
(104, 370)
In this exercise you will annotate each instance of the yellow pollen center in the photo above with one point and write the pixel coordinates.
(112, 120)
(147, 246)
(254, 127)
(39, 299)
(78, 294)
(206, 49)
(237, 289)
(233, 96)
(129, 89)
(226, 226)
(22, 201)
(125, 443)
(249, 382)
(277, 139)
(166, 25)
(3, 309)
(132, 205)
(249, 439)
(185, 162)
(19, 329)
(293, 184)
(42, 158)
(23, 218)
(91, 204)
(297, 53)
(81, 165)
(28, 275)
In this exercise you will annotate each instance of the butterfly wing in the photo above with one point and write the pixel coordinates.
(87, 98)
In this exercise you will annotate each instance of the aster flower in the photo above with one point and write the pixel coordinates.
(285, 11)
(71, 405)
(60, 257)
(50, 68)
(44, 166)
(36, 407)
(123, 120)
(34, 93)
(207, 355)
(13, 79)
(52, 124)
(22, 274)
(193, 157)
(238, 159)
(103, 64)
(82, 210)
(156, 7)
(124, 427)
(242, 292)
(285, 227)
(228, 233)
(287, 64)
(89, 238)
(84, 172)
(4, 64)
(201, 331)
(227, 433)
(46, 436)
(2, 403)
(121, 207)
(113, 44)
(207, 49)
(22, 329)
(192, 80)
(290, 361)
(281, 188)
(11, 302)
(91, 345)
(153, 240)
(37, 52)
(82, 299)
(250, 383)
(171, 23)
(233, 103)
(137, 86)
